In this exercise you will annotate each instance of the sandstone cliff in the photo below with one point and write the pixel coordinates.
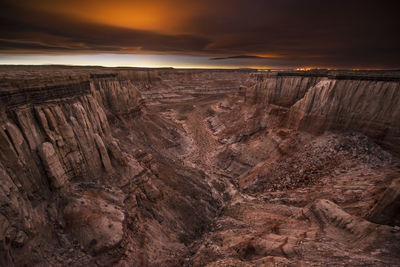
(338, 101)
(279, 90)
(68, 188)
(44, 148)
(263, 116)
(370, 107)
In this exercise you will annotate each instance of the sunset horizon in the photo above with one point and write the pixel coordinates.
(207, 34)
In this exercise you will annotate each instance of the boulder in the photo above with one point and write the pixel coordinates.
(94, 221)
(387, 209)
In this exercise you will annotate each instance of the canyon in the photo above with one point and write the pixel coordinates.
(168, 167)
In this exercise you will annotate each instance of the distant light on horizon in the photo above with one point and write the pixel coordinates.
(200, 34)
(121, 60)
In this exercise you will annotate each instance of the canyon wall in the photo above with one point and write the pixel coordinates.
(370, 107)
(184, 85)
(268, 118)
(279, 90)
(367, 104)
(117, 96)
(44, 147)
(68, 188)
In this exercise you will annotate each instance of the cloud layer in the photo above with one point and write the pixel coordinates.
(281, 33)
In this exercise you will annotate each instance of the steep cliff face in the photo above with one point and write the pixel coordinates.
(279, 90)
(264, 116)
(68, 188)
(120, 97)
(370, 107)
(45, 147)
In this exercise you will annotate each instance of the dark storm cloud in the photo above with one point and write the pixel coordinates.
(281, 33)
(41, 32)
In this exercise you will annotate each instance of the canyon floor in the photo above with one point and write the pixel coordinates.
(125, 167)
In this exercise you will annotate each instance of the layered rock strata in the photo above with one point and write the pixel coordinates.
(68, 188)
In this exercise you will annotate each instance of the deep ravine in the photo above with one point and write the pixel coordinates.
(122, 167)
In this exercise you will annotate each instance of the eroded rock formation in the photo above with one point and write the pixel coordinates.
(168, 167)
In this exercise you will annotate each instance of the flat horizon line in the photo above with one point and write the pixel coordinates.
(195, 68)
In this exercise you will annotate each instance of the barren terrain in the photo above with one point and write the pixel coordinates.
(164, 167)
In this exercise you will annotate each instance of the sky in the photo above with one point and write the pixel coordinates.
(202, 34)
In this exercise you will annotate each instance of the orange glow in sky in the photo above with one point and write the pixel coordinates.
(203, 33)
(158, 16)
